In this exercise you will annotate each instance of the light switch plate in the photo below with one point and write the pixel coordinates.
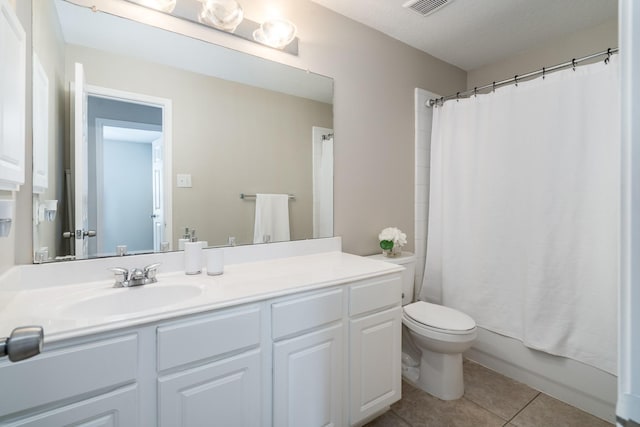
(184, 180)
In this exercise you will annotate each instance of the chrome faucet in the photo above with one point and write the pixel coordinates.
(135, 277)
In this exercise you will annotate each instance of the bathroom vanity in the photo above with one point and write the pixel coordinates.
(296, 341)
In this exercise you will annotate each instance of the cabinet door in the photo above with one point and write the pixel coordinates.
(225, 393)
(115, 409)
(307, 379)
(375, 362)
(12, 99)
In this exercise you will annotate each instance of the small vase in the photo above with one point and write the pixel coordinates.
(393, 252)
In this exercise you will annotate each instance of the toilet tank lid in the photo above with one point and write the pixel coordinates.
(438, 316)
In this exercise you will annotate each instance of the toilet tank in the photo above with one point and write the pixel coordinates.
(408, 261)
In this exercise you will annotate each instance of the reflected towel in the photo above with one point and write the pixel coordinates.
(272, 218)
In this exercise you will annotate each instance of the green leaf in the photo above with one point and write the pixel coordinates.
(387, 245)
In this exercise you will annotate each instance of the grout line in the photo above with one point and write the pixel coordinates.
(485, 409)
(524, 407)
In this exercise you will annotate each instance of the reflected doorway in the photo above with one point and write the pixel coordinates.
(128, 167)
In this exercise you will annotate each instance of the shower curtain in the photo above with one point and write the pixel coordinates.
(524, 212)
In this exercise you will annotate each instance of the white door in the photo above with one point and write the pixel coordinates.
(307, 379)
(222, 393)
(375, 352)
(157, 216)
(81, 162)
(12, 99)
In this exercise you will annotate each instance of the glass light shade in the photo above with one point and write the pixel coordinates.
(224, 15)
(161, 5)
(275, 33)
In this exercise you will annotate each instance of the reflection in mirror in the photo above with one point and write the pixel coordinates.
(170, 140)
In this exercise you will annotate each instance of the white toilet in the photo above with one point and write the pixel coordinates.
(440, 333)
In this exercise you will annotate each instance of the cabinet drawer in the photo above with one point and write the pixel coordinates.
(68, 372)
(207, 336)
(375, 294)
(301, 314)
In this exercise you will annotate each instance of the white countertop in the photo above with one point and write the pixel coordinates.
(65, 311)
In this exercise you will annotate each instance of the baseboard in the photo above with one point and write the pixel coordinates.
(585, 387)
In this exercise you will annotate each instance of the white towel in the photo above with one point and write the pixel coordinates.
(272, 218)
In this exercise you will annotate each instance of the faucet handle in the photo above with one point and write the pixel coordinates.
(122, 275)
(151, 270)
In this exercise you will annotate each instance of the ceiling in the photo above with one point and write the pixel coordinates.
(474, 33)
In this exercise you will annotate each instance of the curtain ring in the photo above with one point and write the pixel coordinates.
(457, 96)
(606, 60)
(573, 63)
(544, 73)
(475, 91)
(494, 86)
(515, 78)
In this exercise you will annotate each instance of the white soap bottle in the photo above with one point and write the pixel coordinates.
(193, 255)
(184, 239)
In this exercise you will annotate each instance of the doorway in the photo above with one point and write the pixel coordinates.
(128, 197)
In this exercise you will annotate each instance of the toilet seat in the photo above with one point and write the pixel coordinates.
(438, 318)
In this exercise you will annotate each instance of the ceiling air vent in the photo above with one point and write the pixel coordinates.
(426, 7)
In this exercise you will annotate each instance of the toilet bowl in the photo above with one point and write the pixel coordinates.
(440, 334)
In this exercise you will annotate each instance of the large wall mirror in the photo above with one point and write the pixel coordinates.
(140, 133)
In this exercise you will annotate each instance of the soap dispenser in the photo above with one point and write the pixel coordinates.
(186, 237)
(193, 255)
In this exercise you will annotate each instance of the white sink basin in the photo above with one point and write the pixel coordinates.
(123, 301)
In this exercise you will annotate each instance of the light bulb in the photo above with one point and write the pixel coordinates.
(275, 33)
(222, 14)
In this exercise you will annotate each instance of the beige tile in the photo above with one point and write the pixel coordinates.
(494, 392)
(388, 419)
(549, 412)
(421, 409)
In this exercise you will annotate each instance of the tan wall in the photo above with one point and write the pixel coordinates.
(231, 138)
(373, 112)
(563, 49)
(374, 77)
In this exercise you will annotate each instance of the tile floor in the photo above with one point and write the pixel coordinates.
(490, 400)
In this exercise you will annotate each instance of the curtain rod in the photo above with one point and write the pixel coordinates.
(515, 79)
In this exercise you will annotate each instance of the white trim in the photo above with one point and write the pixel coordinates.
(316, 157)
(628, 407)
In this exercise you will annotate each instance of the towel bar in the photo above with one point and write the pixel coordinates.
(253, 196)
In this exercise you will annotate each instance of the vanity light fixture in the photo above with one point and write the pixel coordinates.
(228, 16)
(276, 33)
(224, 15)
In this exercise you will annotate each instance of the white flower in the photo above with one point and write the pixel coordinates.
(393, 234)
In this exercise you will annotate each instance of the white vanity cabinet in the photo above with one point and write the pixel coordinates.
(308, 367)
(84, 384)
(328, 356)
(209, 370)
(12, 99)
(375, 333)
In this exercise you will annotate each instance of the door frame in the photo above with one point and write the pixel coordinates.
(165, 105)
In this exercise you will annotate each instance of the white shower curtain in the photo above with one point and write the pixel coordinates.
(524, 212)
